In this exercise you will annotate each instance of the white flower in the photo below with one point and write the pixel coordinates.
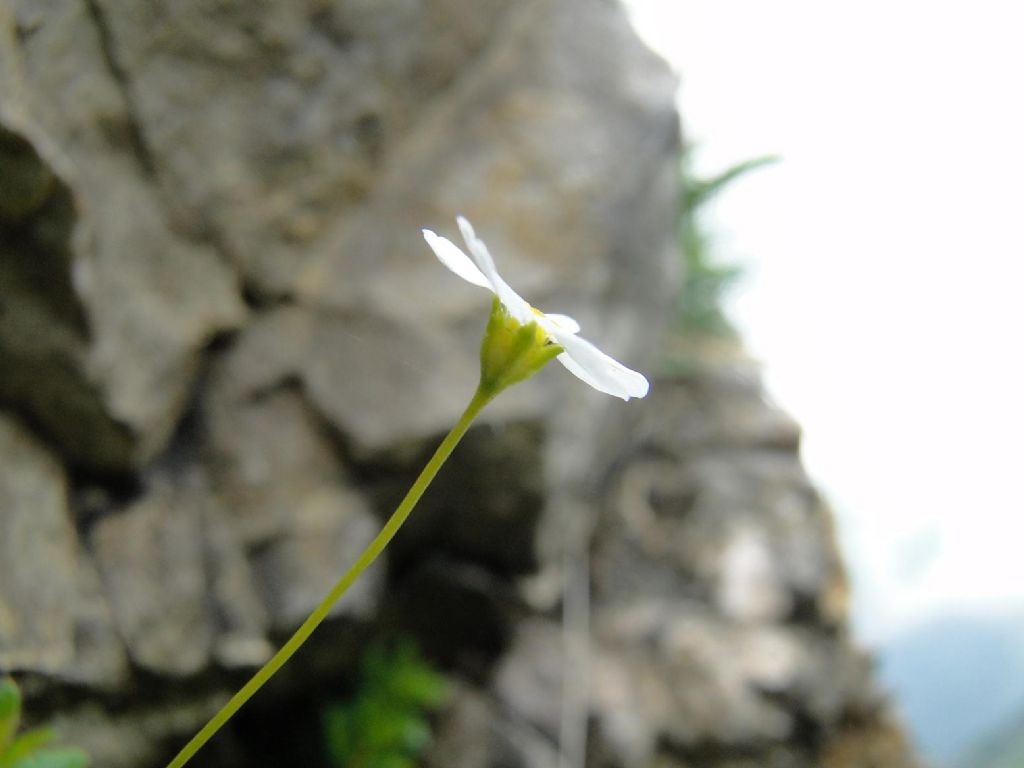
(581, 357)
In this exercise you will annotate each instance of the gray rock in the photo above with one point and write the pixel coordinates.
(179, 582)
(37, 556)
(54, 616)
(724, 672)
(43, 336)
(328, 531)
(382, 383)
(267, 123)
(151, 559)
(530, 678)
(719, 598)
(100, 660)
(545, 95)
(240, 616)
(268, 454)
(127, 739)
(267, 355)
(284, 491)
(150, 298)
(156, 159)
(270, 191)
(475, 733)
(728, 517)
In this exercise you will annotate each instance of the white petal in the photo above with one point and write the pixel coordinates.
(597, 369)
(458, 262)
(564, 322)
(516, 305)
(477, 248)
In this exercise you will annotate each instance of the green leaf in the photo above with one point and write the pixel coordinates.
(413, 682)
(415, 735)
(26, 744)
(392, 761)
(385, 725)
(706, 281)
(63, 757)
(10, 711)
(30, 749)
(337, 726)
(696, 192)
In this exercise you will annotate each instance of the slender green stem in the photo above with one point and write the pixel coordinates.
(480, 399)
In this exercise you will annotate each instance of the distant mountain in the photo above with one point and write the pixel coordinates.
(1003, 748)
(956, 680)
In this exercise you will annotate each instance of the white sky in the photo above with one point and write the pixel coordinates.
(886, 268)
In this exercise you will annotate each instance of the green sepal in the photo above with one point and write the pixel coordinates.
(512, 352)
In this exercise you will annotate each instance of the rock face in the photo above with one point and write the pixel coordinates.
(225, 352)
(719, 598)
(716, 602)
(112, 304)
(37, 559)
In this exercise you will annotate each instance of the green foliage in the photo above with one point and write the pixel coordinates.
(32, 749)
(385, 725)
(700, 303)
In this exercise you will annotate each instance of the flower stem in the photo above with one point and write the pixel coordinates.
(480, 399)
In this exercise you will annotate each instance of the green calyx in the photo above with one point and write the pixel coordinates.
(511, 352)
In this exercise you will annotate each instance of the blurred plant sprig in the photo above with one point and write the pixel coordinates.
(386, 724)
(33, 748)
(699, 310)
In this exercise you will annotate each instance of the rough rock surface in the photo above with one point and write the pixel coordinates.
(719, 600)
(117, 300)
(225, 352)
(716, 601)
(37, 554)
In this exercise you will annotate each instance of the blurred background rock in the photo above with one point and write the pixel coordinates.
(225, 352)
(879, 262)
